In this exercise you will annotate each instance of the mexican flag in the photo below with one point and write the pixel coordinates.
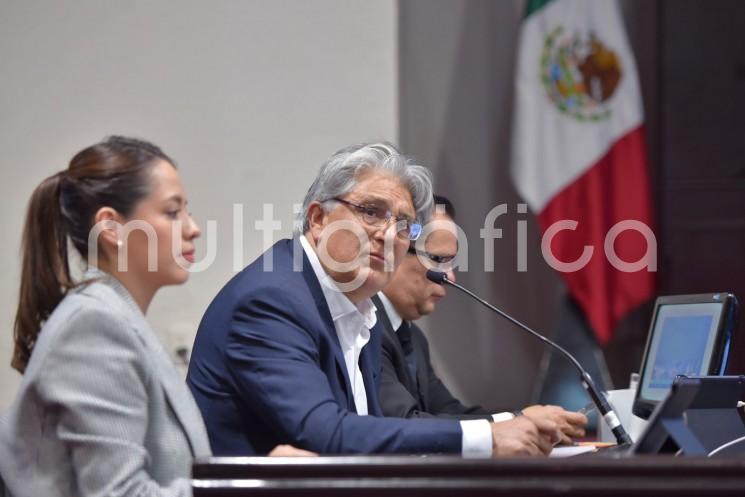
(579, 158)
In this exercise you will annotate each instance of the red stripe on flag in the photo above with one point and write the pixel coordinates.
(616, 188)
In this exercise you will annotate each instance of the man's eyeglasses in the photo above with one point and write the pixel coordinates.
(437, 259)
(379, 216)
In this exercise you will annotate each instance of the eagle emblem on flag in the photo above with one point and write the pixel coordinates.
(580, 74)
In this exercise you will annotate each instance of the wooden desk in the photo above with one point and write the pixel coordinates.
(390, 476)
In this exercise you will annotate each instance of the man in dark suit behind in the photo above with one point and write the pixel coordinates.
(288, 352)
(409, 387)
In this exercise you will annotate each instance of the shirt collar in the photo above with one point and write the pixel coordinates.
(393, 316)
(339, 304)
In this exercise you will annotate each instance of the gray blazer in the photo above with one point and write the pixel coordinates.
(101, 409)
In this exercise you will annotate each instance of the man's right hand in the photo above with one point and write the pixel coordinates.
(571, 424)
(523, 436)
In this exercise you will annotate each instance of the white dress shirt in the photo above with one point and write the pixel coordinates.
(477, 437)
(352, 324)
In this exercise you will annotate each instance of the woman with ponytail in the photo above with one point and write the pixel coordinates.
(101, 410)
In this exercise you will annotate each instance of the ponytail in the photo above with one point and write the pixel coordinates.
(45, 274)
(113, 173)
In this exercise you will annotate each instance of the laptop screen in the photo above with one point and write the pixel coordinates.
(687, 337)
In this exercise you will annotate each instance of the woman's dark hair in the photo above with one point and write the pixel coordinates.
(113, 173)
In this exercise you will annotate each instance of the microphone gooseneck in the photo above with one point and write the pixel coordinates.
(596, 396)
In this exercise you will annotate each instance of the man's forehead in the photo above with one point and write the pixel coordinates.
(444, 237)
(442, 240)
(398, 204)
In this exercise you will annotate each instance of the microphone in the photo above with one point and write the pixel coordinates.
(597, 397)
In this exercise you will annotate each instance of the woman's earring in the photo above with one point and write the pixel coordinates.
(119, 243)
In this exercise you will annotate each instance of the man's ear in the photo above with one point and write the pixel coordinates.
(317, 219)
(109, 223)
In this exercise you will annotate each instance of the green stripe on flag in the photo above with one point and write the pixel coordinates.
(533, 5)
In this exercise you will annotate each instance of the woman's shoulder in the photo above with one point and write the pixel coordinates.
(94, 300)
(88, 317)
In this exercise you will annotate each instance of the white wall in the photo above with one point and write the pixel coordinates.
(248, 97)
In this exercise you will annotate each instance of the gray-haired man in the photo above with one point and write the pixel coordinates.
(293, 355)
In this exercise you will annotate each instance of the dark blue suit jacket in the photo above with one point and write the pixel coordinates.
(267, 369)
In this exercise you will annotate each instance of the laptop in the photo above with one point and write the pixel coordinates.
(689, 335)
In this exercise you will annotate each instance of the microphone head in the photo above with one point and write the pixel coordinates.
(437, 276)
